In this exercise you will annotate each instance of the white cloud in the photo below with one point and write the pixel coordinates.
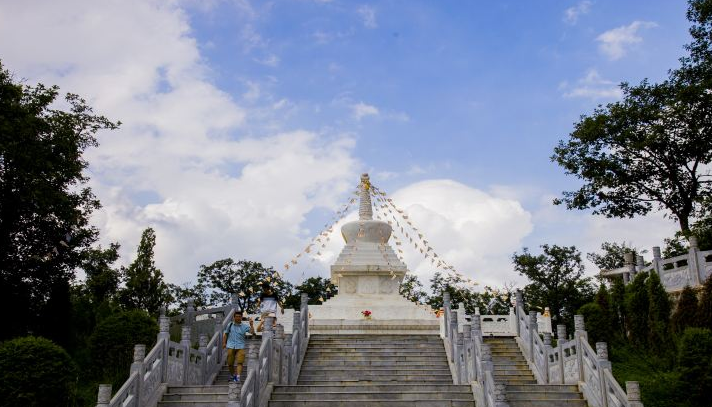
(270, 60)
(615, 43)
(472, 230)
(572, 14)
(208, 191)
(368, 16)
(592, 86)
(361, 110)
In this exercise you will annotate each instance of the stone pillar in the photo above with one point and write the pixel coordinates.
(547, 347)
(580, 335)
(632, 389)
(453, 340)
(164, 336)
(104, 397)
(469, 352)
(657, 259)
(460, 315)
(518, 303)
(695, 269)
(629, 261)
(190, 312)
(277, 352)
(203, 349)
(459, 359)
(268, 336)
(138, 366)
(185, 344)
(560, 341)
(304, 309)
(446, 312)
(219, 350)
(233, 394)
(603, 364)
(532, 332)
(513, 323)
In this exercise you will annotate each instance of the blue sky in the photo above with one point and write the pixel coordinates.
(247, 123)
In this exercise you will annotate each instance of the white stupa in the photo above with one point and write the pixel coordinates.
(368, 274)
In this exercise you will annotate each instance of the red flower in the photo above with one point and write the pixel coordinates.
(366, 313)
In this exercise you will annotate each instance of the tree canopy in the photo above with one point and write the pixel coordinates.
(44, 200)
(652, 149)
(145, 288)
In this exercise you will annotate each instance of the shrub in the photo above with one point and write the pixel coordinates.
(660, 339)
(686, 313)
(695, 364)
(112, 342)
(637, 308)
(705, 305)
(597, 322)
(35, 372)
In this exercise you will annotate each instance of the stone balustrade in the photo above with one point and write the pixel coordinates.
(571, 361)
(675, 273)
(278, 361)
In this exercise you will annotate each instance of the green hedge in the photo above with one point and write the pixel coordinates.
(35, 372)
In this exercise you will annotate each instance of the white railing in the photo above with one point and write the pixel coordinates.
(173, 363)
(675, 273)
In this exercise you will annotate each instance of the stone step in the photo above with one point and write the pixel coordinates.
(418, 343)
(307, 376)
(376, 352)
(548, 403)
(380, 381)
(544, 395)
(357, 358)
(210, 397)
(219, 388)
(510, 382)
(356, 387)
(373, 370)
(372, 403)
(504, 371)
(366, 363)
(374, 395)
(380, 337)
(180, 403)
(544, 387)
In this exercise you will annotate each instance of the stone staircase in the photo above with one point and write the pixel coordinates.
(511, 368)
(214, 395)
(374, 371)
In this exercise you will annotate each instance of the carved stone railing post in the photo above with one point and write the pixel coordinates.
(603, 365)
(629, 261)
(446, 312)
(657, 259)
(137, 366)
(304, 308)
(253, 365)
(235, 302)
(460, 359)
(453, 340)
(693, 263)
(104, 397)
(580, 335)
(164, 335)
(267, 334)
(277, 350)
(203, 349)
(219, 348)
(460, 315)
(560, 341)
(190, 312)
(532, 332)
(519, 302)
(476, 336)
(185, 345)
(547, 347)
(468, 351)
(513, 323)
(632, 389)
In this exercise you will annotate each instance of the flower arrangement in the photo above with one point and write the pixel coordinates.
(366, 314)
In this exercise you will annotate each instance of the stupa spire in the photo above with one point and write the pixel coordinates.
(365, 211)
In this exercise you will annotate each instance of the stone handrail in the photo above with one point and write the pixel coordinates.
(573, 362)
(675, 273)
(177, 363)
(278, 360)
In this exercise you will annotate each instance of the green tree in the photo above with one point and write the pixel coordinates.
(35, 372)
(556, 280)
(112, 342)
(244, 278)
(659, 316)
(652, 149)
(677, 245)
(618, 308)
(102, 280)
(704, 316)
(45, 202)
(637, 305)
(695, 364)
(412, 289)
(612, 256)
(318, 290)
(686, 312)
(145, 288)
(597, 323)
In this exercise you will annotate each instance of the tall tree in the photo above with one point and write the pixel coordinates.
(652, 149)
(412, 289)
(659, 316)
(317, 289)
(686, 312)
(145, 288)
(704, 312)
(637, 305)
(102, 280)
(556, 280)
(611, 255)
(244, 278)
(45, 202)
